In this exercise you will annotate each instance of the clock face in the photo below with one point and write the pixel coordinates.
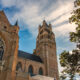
(1, 48)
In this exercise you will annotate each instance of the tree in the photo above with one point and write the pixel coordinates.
(66, 61)
(75, 18)
(75, 36)
(62, 77)
(71, 62)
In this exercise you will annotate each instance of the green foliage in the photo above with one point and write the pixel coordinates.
(63, 77)
(71, 62)
(75, 18)
(76, 57)
(64, 58)
(77, 3)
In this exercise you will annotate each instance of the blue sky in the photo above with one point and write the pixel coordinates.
(31, 13)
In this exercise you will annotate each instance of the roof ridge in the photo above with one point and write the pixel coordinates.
(26, 55)
(24, 51)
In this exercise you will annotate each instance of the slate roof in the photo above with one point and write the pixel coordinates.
(32, 57)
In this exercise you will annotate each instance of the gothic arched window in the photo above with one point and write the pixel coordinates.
(30, 70)
(1, 49)
(41, 71)
(19, 66)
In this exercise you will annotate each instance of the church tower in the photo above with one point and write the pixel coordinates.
(46, 49)
(9, 40)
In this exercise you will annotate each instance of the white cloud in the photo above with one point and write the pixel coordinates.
(59, 17)
(32, 13)
(62, 9)
(29, 15)
(8, 3)
(64, 30)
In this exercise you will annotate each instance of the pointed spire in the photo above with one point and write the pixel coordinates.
(50, 25)
(2, 10)
(44, 22)
(16, 24)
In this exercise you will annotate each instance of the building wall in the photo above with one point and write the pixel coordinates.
(44, 48)
(36, 65)
(9, 34)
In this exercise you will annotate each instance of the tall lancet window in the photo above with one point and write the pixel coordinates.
(1, 49)
(41, 71)
(19, 66)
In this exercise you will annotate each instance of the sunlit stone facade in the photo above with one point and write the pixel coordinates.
(20, 65)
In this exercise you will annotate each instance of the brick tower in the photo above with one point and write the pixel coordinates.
(8, 48)
(46, 49)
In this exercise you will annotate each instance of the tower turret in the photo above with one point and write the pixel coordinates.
(46, 49)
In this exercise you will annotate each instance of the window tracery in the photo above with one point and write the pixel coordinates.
(1, 48)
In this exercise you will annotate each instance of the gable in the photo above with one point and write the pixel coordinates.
(3, 18)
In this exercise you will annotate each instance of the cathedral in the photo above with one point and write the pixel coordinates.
(19, 65)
